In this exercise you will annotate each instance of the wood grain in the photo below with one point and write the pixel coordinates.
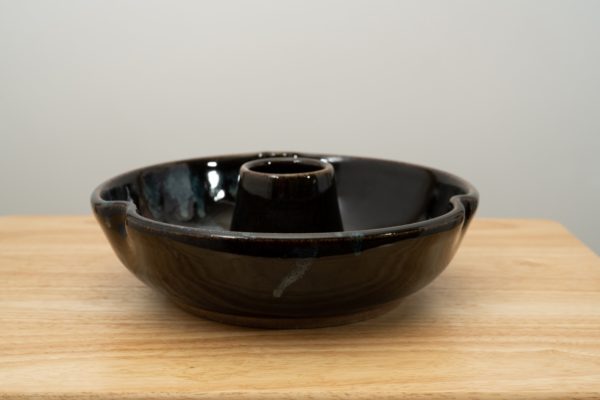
(516, 315)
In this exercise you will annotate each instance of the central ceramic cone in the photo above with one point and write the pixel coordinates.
(286, 195)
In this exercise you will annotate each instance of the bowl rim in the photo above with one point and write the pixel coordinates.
(455, 216)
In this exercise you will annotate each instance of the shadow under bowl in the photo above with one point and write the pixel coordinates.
(170, 226)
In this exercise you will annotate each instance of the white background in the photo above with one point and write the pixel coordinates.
(503, 93)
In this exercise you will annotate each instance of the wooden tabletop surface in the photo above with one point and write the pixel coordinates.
(515, 315)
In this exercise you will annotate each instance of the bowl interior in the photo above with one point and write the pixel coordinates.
(371, 193)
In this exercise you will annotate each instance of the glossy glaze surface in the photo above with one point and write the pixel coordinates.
(169, 224)
(286, 194)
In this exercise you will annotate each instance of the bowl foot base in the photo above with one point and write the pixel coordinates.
(289, 323)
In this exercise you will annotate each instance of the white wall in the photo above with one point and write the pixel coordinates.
(504, 93)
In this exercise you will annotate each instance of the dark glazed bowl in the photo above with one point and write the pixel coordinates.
(170, 225)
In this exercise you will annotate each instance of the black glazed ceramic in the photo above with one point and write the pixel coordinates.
(170, 224)
(286, 194)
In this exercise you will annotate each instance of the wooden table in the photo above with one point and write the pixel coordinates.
(516, 315)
